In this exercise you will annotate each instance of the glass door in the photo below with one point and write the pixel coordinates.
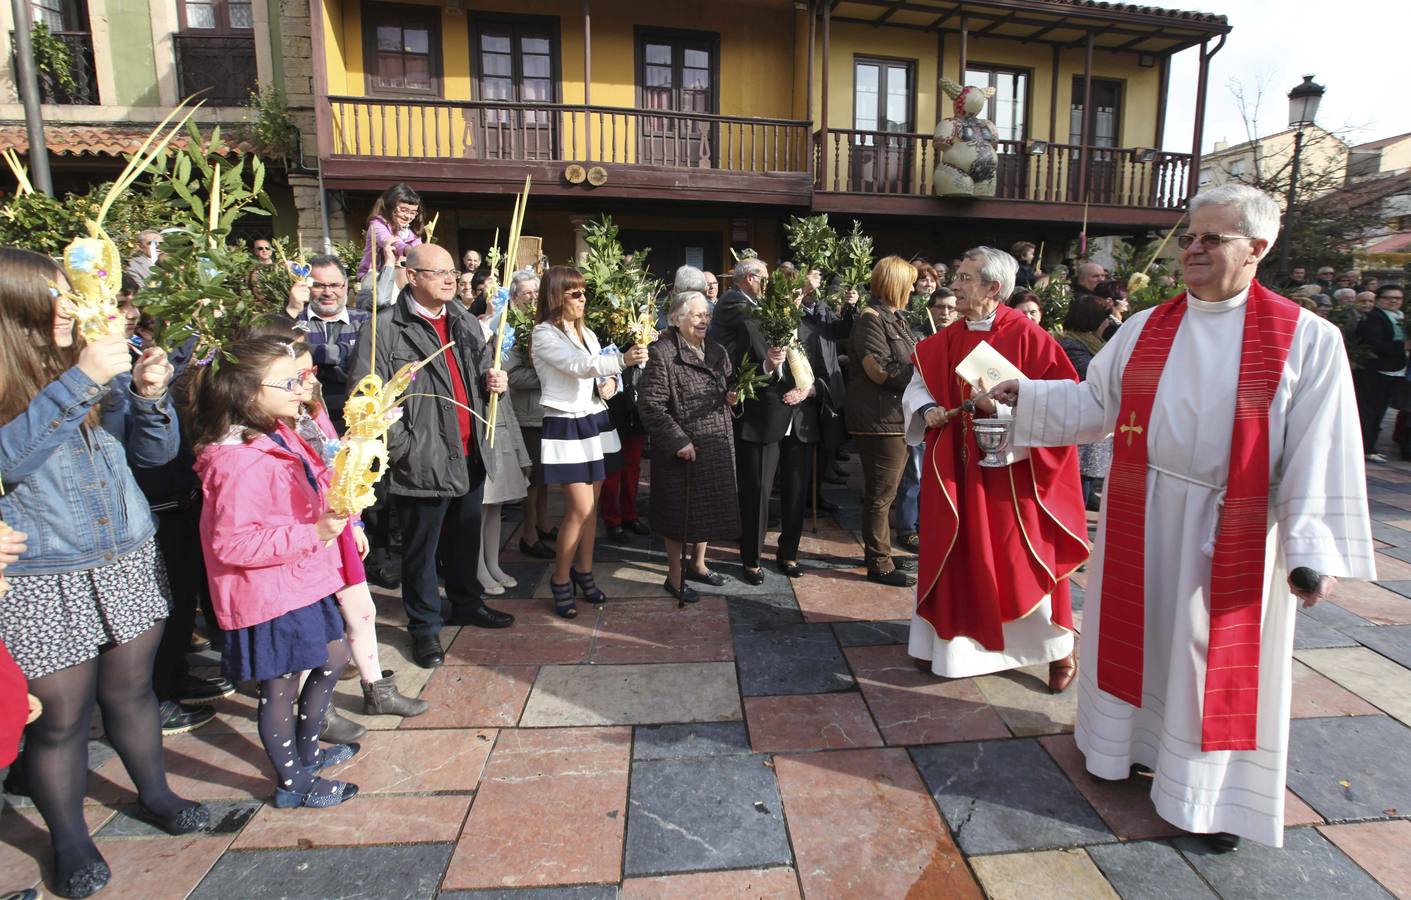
(677, 75)
(516, 66)
(883, 117)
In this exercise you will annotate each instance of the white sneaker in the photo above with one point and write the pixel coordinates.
(1376, 457)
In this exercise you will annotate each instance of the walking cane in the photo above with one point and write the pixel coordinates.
(815, 489)
(685, 530)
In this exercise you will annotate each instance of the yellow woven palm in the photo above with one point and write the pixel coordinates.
(93, 268)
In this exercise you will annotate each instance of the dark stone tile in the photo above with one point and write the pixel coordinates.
(690, 741)
(99, 752)
(1329, 613)
(871, 634)
(1148, 870)
(849, 518)
(1311, 634)
(1078, 594)
(1307, 868)
(1351, 767)
(764, 611)
(407, 871)
(572, 892)
(999, 796)
(775, 582)
(1401, 587)
(1391, 641)
(793, 659)
(528, 574)
(1399, 538)
(715, 813)
(227, 817)
(1401, 552)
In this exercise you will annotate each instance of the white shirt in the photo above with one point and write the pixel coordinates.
(424, 312)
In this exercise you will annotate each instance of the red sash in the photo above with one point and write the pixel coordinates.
(1231, 701)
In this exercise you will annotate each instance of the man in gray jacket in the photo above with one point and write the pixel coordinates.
(436, 451)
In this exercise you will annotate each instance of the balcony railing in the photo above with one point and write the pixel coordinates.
(222, 66)
(444, 130)
(85, 89)
(884, 162)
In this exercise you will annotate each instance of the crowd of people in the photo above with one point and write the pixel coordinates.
(142, 488)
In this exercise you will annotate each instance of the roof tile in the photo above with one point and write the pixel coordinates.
(97, 140)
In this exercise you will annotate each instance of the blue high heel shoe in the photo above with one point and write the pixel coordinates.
(584, 582)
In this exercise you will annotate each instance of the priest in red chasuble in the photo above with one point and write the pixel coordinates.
(1236, 459)
(997, 543)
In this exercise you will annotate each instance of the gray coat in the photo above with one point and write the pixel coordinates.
(424, 447)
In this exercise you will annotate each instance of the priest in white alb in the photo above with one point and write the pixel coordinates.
(1236, 460)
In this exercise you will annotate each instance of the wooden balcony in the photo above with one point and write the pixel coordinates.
(892, 172)
(489, 146)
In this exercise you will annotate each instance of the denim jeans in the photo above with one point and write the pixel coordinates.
(909, 510)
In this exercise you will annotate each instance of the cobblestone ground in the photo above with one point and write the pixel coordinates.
(766, 742)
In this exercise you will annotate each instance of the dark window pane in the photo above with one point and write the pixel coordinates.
(241, 15)
(659, 54)
(697, 59)
(496, 65)
(417, 40)
(534, 45)
(418, 71)
(695, 79)
(495, 43)
(389, 38)
(497, 89)
(658, 76)
(536, 90)
(536, 67)
(389, 68)
(200, 15)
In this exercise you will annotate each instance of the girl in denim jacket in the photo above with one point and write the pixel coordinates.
(272, 559)
(89, 595)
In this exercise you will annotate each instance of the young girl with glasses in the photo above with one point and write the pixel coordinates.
(272, 557)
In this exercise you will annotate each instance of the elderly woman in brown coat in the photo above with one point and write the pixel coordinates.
(684, 402)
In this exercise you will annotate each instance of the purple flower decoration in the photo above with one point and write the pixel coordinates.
(300, 269)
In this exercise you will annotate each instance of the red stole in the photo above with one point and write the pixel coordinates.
(995, 542)
(1231, 700)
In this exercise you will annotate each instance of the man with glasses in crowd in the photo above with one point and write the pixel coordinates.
(437, 448)
(333, 329)
(712, 291)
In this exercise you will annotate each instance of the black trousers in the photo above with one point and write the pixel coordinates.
(755, 466)
(1373, 390)
(179, 542)
(451, 524)
(377, 522)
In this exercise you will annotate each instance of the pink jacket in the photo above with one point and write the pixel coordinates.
(263, 555)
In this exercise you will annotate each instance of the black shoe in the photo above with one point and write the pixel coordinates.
(538, 549)
(910, 541)
(894, 578)
(714, 579)
(200, 691)
(551, 536)
(842, 456)
(583, 581)
(637, 526)
(790, 569)
(1221, 842)
(87, 880)
(199, 643)
(684, 594)
(187, 820)
(827, 506)
(564, 606)
(179, 719)
(753, 576)
(482, 617)
(426, 651)
(905, 563)
(617, 534)
(384, 577)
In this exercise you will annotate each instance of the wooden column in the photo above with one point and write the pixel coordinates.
(1193, 181)
(322, 113)
(1087, 120)
(823, 123)
(964, 49)
(1159, 140)
(940, 73)
(808, 103)
(1053, 99)
(587, 81)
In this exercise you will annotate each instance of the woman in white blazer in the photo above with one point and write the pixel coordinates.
(579, 447)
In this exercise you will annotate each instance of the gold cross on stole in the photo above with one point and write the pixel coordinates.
(1132, 426)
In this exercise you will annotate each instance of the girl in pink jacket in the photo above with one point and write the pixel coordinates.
(272, 557)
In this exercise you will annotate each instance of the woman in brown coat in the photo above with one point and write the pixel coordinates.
(882, 344)
(683, 400)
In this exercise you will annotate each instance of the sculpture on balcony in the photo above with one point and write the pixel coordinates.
(965, 145)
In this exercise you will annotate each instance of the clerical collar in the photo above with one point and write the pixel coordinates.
(1234, 302)
(985, 324)
(426, 313)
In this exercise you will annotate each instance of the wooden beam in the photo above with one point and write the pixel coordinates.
(587, 79)
(888, 12)
(943, 19)
(995, 24)
(1042, 30)
(1200, 93)
(1053, 98)
(964, 47)
(812, 23)
(1089, 17)
(1087, 119)
(940, 73)
(1161, 102)
(823, 124)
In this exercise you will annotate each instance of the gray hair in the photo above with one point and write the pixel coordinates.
(521, 278)
(996, 266)
(1344, 295)
(1257, 211)
(680, 304)
(689, 278)
(746, 266)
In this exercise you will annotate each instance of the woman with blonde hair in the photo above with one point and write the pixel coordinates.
(579, 445)
(881, 348)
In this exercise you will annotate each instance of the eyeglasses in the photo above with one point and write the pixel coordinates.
(574, 294)
(439, 273)
(293, 385)
(327, 286)
(259, 249)
(1209, 240)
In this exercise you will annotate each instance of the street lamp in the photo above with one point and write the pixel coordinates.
(1303, 110)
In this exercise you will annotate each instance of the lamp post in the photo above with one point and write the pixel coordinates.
(1303, 109)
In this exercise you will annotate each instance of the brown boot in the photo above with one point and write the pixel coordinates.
(1061, 673)
(381, 698)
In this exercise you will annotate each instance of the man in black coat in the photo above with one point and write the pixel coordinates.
(436, 459)
(819, 334)
(1382, 334)
(773, 430)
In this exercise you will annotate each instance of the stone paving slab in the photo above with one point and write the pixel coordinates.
(810, 722)
(1002, 796)
(1309, 633)
(1369, 675)
(1057, 874)
(757, 884)
(1125, 806)
(1391, 641)
(690, 741)
(868, 634)
(1382, 848)
(633, 695)
(914, 707)
(1022, 699)
(410, 872)
(474, 697)
(399, 820)
(1307, 868)
(763, 611)
(658, 631)
(1351, 768)
(1149, 870)
(792, 659)
(721, 812)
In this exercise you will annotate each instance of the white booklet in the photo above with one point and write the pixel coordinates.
(984, 367)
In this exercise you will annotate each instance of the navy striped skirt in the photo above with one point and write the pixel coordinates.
(578, 449)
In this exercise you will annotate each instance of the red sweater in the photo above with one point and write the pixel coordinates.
(458, 387)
